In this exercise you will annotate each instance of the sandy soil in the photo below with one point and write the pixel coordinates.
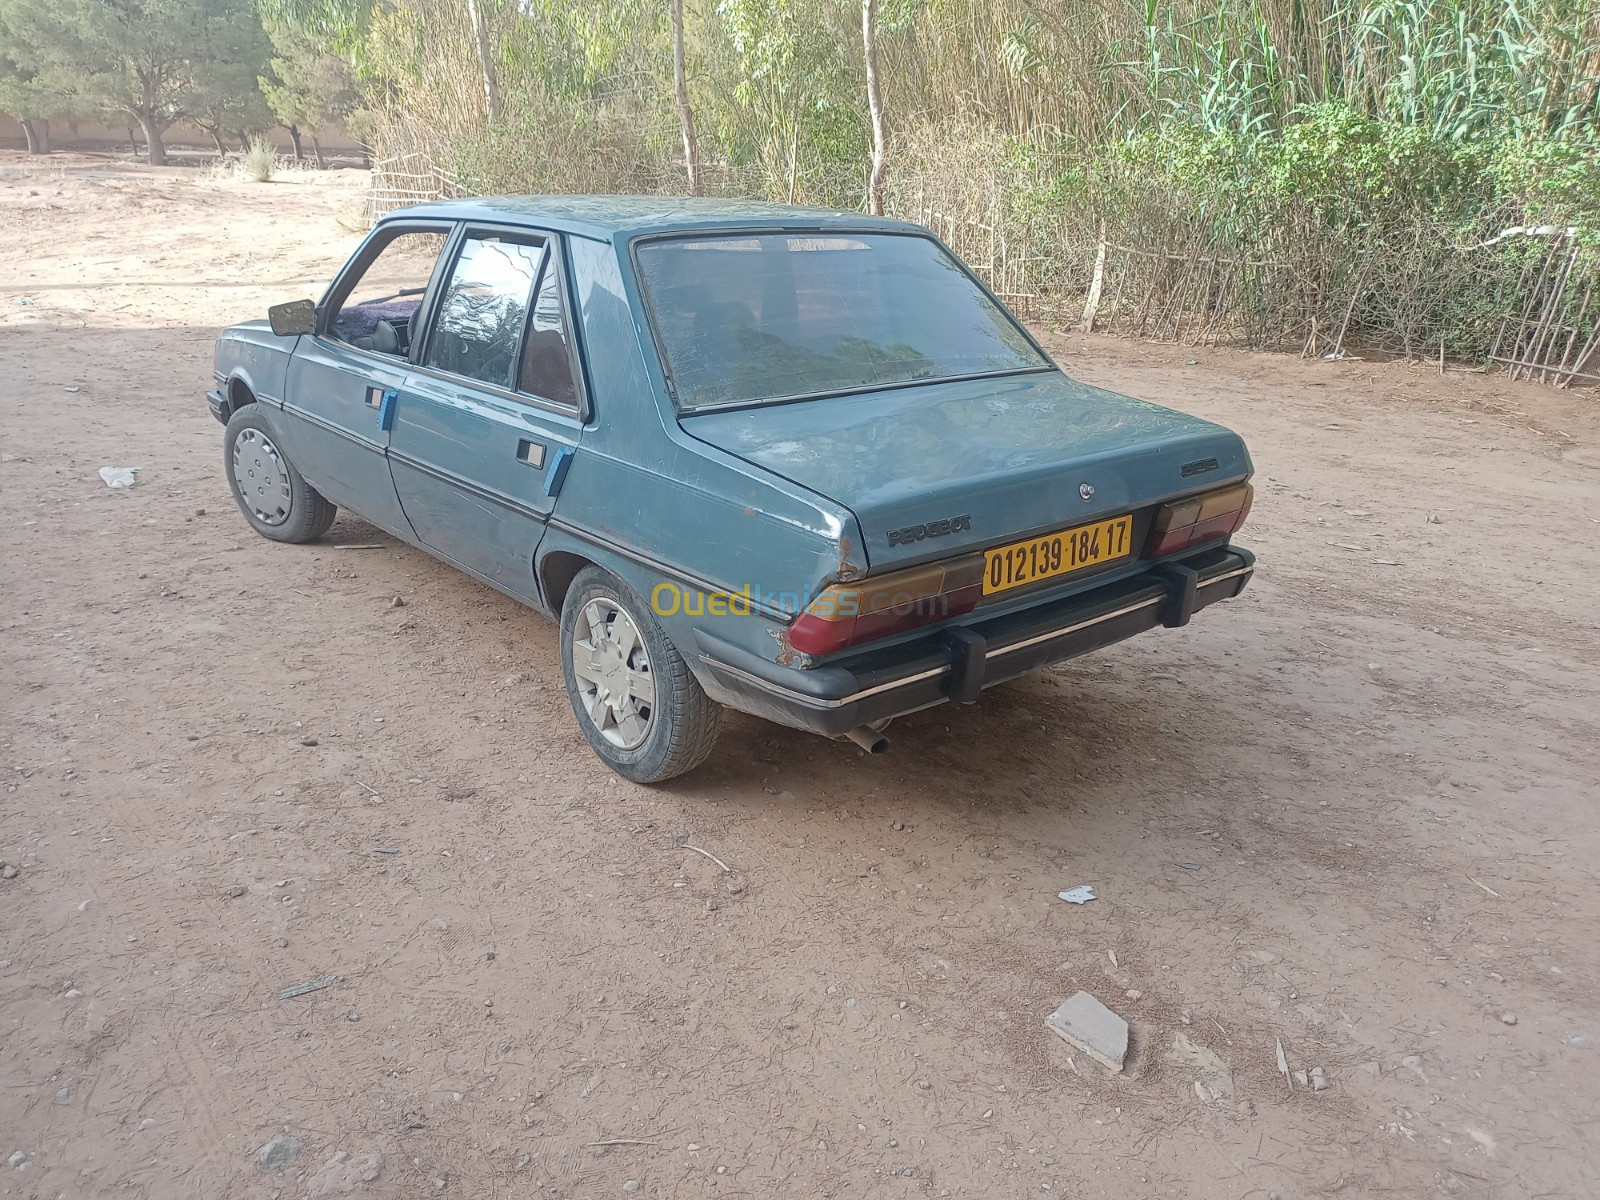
(1352, 812)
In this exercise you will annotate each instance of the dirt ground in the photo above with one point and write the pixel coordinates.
(1352, 812)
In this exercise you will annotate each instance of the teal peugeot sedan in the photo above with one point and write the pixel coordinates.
(790, 461)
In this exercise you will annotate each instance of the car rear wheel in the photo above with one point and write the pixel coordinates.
(637, 702)
(274, 497)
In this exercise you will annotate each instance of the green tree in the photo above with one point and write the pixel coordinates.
(32, 85)
(158, 61)
(309, 87)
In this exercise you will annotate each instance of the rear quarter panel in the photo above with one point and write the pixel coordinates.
(656, 506)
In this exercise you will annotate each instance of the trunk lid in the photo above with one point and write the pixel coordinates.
(981, 462)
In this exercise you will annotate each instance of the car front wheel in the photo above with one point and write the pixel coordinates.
(274, 497)
(637, 702)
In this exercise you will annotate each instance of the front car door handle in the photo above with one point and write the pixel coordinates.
(530, 454)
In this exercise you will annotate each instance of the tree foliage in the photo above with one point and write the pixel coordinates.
(157, 61)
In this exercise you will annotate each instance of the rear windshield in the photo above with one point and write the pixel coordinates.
(743, 318)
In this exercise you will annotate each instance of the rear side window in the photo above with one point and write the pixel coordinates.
(484, 309)
(547, 358)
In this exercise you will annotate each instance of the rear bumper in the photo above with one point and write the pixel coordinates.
(959, 662)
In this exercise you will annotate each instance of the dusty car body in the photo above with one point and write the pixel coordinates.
(796, 462)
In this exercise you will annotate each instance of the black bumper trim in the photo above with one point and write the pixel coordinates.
(956, 664)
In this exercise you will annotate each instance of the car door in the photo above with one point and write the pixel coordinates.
(487, 419)
(343, 380)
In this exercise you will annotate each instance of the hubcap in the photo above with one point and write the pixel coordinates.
(261, 476)
(615, 686)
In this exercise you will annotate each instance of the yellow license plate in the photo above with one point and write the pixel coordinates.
(1059, 553)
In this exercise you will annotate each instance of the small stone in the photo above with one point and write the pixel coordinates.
(1133, 994)
(693, 1146)
(64, 1094)
(397, 602)
(308, 741)
(17, 1159)
(283, 943)
(905, 1004)
(735, 887)
(277, 1152)
(898, 826)
(1319, 1081)
(490, 956)
(850, 1003)
(908, 1172)
(832, 991)
(987, 1113)
(1433, 519)
(722, 1170)
(631, 1185)
(894, 1143)
(352, 1016)
(924, 1084)
(1509, 1018)
(1301, 1078)
(8, 871)
(73, 993)
(236, 891)
(199, 512)
(1093, 1028)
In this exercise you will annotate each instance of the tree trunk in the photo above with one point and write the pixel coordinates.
(222, 148)
(155, 152)
(294, 139)
(680, 83)
(316, 150)
(32, 134)
(133, 144)
(880, 149)
(43, 128)
(491, 80)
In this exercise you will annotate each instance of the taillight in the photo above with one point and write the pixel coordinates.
(848, 614)
(1209, 517)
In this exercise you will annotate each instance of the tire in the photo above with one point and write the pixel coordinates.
(273, 496)
(683, 722)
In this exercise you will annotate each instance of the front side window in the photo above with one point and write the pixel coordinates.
(742, 318)
(484, 309)
(377, 310)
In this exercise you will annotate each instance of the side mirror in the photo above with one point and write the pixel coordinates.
(295, 317)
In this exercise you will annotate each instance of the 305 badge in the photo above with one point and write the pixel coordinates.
(1059, 553)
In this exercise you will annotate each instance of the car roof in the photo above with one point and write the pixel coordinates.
(608, 217)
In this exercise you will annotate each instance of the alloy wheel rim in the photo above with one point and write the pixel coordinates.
(615, 686)
(261, 477)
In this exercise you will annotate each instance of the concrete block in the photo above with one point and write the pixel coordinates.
(1092, 1028)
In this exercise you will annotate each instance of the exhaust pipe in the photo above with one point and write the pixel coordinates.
(869, 739)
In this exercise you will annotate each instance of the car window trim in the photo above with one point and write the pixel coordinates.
(689, 235)
(356, 266)
(549, 240)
